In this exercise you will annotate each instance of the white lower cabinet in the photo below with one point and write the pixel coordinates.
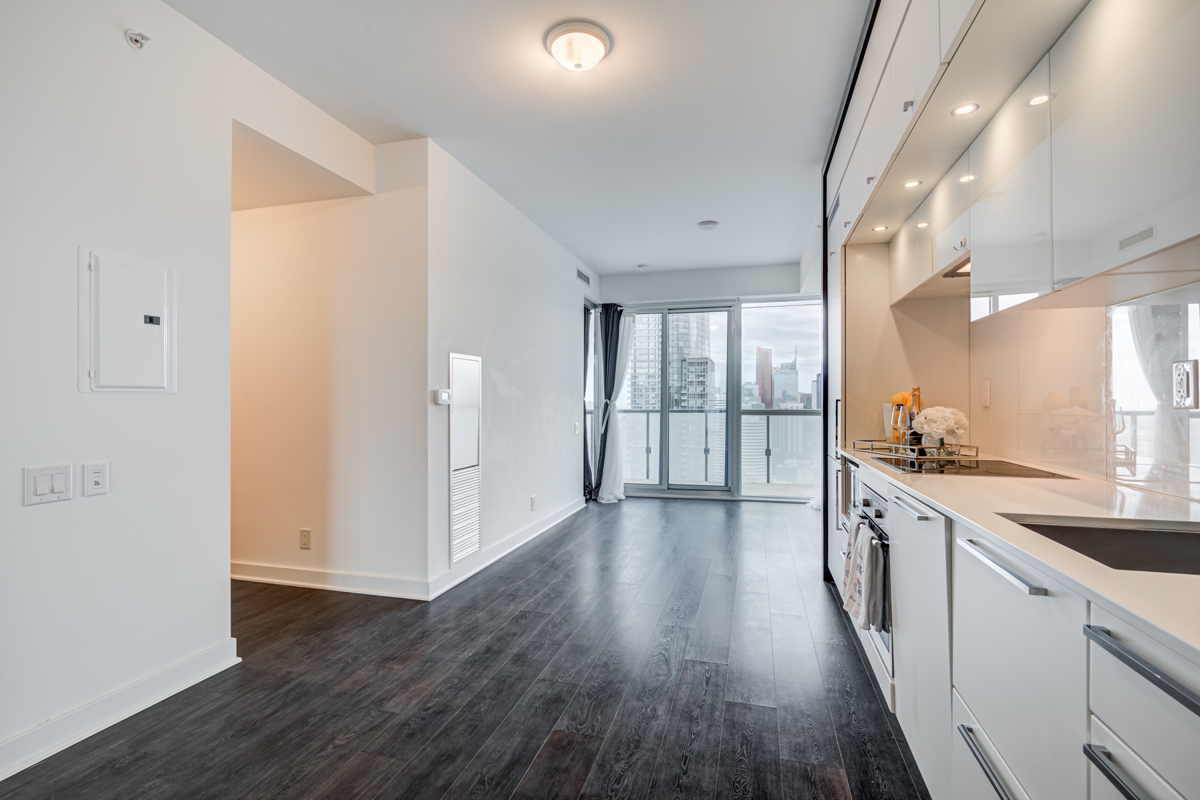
(1117, 773)
(1020, 665)
(977, 770)
(919, 558)
(1149, 696)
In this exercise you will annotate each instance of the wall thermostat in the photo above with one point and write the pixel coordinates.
(442, 397)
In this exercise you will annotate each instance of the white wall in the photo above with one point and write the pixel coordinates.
(702, 284)
(812, 261)
(502, 289)
(329, 347)
(109, 603)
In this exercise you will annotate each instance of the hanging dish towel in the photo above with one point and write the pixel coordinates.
(848, 564)
(864, 593)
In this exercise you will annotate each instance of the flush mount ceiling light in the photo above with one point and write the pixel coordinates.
(922, 224)
(578, 45)
(963, 110)
(878, 228)
(1040, 99)
(912, 184)
(707, 225)
(966, 178)
(962, 271)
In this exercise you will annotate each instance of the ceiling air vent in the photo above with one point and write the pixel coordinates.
(1140, 236)
(583, 276)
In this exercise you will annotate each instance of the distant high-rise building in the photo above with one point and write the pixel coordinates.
(644, 377)
(787, 384)
(817, 388)
(764, 376)
(750, 396)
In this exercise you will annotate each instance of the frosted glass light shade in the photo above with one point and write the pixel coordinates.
(578, 46)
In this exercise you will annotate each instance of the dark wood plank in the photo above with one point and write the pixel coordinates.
(627, 757)
(709, 640)
(361, 775)
(684, 600)
(752, 570)
(751, 667)
(560, 768)
(691, 748)
(814, 782)
(749, 766)
(575, 658)
(783, 586)
(870, 757)
(806, 732)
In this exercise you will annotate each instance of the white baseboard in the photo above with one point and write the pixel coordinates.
(356, 582)
(44, 740)
(484, 558)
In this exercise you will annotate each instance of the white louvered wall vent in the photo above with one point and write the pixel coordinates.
(583, 276)
(1137, 238)
(466, 417)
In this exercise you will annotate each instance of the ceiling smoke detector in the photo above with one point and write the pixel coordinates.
(136, 39)
(707, 225)
(578, 45)
(643, 266)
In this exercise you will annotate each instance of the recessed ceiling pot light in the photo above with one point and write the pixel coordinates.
(963, 110)
(1040, 99)
(966, 178)
(707, 225)
(922, 224)
(578, 45)
(912, 184)
(879, 228)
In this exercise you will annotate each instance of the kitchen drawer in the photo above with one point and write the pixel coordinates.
(1160, 728)
(1021, 666)
(1115, 771)
(975, 763)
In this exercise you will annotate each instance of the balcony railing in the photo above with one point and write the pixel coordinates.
(781, 452)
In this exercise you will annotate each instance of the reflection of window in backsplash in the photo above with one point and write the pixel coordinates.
(1151, 443)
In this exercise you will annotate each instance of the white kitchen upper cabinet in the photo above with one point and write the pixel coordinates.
(911, 254)
(1020, 664)
(920, 576)
(871, 155)
(949, 214)
(870, 74)
(1125, 112)
(1011, 248)
(953, 15)
(912, 67)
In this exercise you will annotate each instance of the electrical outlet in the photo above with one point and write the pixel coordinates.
(576, 428)
(533, 502)
(1183, 384)
(306, 538)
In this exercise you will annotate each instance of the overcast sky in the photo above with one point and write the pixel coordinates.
(786, 330)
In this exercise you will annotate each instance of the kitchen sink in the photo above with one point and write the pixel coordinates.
(1143, 545)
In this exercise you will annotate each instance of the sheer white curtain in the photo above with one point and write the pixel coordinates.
(612, 482)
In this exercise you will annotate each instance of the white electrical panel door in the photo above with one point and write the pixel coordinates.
(127, 324)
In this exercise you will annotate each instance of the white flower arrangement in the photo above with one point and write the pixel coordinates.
(940, 422)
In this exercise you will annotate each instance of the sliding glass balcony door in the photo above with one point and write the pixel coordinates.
(697, 407)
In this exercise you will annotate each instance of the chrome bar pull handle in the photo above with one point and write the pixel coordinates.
(976, 751)
(1102, 758)
(919, 516)
(1003, 571)
(1176, 690)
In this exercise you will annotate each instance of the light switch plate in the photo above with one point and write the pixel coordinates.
(51, 478)
(95, 478)
(1183, 384)
(987, 394)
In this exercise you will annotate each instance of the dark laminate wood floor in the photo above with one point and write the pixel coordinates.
(679, 648)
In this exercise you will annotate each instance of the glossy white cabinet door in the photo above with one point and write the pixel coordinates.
(913, 64)
(1131, 773)
(1020, 664)
(834, 411)
(1125, 112)
(949, 214)
(911, 253)
(1010, 200)
(920, 577)
(837, 535)
(975, 761)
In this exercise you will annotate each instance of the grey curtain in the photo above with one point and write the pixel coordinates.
(610, 333)
(589, 490)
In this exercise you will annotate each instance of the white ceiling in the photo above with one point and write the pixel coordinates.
(704, 109)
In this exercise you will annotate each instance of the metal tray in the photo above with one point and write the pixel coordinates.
(908, 452)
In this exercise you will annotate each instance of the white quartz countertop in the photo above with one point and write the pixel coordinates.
(1169, 603)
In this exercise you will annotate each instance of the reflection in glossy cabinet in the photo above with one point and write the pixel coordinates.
(952, 14)
(910, 253)
(1010, 200)
(1125, 110)
(949, 214)
(913, 64)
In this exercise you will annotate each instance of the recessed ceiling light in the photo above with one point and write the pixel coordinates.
(1040, 99)
(643, 266)
(879, 228)
(912, 184)
(578, 45)
(963, 110)
(707, 225)
(963, 271)
(966, 178)
(922, 224)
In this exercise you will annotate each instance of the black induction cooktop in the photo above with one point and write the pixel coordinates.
(983, 468)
